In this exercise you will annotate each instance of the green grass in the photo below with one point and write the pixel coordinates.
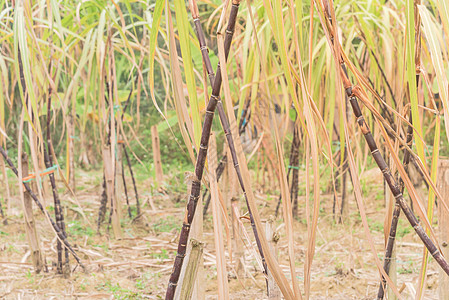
(166, 225)
(103, 246)
(404, 228)
(376, 225)
(76, 228)
(118, 292)
(163, 254)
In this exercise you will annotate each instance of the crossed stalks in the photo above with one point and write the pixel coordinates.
(214, 103)
(59, 226)
(395, 217)
(61, 236)
(396, 189)
(59, 216)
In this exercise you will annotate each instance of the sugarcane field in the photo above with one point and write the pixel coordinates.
(224, 149)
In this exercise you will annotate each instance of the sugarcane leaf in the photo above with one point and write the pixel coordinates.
(411, 76)
(184, 41)
(437, 61)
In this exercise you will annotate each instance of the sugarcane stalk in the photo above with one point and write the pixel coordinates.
(201, 159)
(129, 164)
(57, 229)
(103, 204)
(126, 191)
(125, 107)
(391, 182)
(395, 217)
(293, 164)
(221, 166)
(133, 179)
(5, 221)
(59, 216)
(222, 115)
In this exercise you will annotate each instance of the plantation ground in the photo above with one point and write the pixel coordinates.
(138, 266)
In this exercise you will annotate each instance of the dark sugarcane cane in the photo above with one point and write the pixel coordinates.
(396, 213)
(126, 191)
(133, 179)
(201, 159)
(397, 207)
(246, 116)
(108, 143)
(293, 164)
(129, 161)
(222, 115)
(59, 215)
(125, 188)
(394, 187)
(5, 220)
(345, 167)
(48, 163)
(58, 231)
(103, 204)
(392, 184)
(104, 196)
(221, 166)
(396, 210)
(344, 172)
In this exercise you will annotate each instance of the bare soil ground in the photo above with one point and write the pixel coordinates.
(138, 266)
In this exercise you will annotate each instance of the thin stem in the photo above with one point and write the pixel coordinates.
(59, 216)
(395, 217)
(58, 231)
(133, 179)
(126, 191)
(200, 163)
(103, 204)
(220, 168)
(225, 124)
(392, 184)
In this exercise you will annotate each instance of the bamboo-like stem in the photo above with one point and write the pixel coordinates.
(134, 181)
(126, 191)
(223, 118)
(294, 164)
(395, 217)
(395, 189)
(125, 107)
(103, 204)
(5, 221)
(62, 268)
(224, 159)
(392, 184)
(201, 159)
(58, 230)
